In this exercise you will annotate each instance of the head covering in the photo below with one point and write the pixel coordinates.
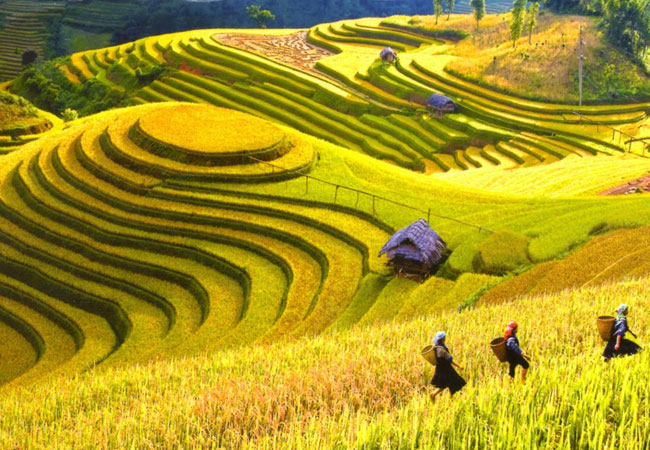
(620, 311)
(440, 335)
(510, 329)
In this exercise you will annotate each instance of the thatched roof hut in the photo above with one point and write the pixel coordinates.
(440, 104)
(415, 251)
(388, 55)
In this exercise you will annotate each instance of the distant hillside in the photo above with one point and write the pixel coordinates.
(59, 27)
(544, 67)
(26, 25)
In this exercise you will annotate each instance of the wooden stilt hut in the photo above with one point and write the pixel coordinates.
(388, 55)
(415, 251)
(439, 104)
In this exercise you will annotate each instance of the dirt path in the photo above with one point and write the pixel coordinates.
(640, 185)
(290, 49)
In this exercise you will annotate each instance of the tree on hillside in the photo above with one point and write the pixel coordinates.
(517, 24)
(29, 57)
(626, 23)
(450, 7)
(478, 6)
(531, 20)
(259, 15)
(437, 8)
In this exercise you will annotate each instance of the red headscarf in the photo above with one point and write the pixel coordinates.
(510, 329)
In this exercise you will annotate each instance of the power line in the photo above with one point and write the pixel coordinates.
(369, 194)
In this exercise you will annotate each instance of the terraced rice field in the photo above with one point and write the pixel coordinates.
(356, 102)
(24, 30)
(366, 388)
(614, 256)
(185, 243)
(171, 229)
(101, 262)
(98, 15)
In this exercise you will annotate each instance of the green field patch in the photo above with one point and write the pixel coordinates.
(502, 252)
(472, 94)
(449, 135)
(390, 301)
(335, 32)
(369, 289)
(529, 104)
(378, 32)
(178, 56)
(466, 288)
(425, 298)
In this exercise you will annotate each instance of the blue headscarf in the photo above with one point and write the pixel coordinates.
(440, 335)
(620, 311)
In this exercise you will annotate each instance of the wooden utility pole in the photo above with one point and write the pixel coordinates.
(581, 58)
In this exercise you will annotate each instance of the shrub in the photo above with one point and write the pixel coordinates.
(69, 115)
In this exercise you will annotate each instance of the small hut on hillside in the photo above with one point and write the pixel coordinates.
(415, 251)
(388, 55)
(439, 104)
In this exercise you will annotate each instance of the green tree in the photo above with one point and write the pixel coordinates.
(517, 24)
(69, 114)
(259, 15)
(531, 20)
(626, 23)
(450, 7)
(437, 8)
(478, 6)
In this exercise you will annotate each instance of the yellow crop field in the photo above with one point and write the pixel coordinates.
(566, 178)
(203, 270)
(607, 258)
(365, 388)
(222, 133)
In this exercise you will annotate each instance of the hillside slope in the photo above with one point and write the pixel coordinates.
(170, 229)
(353, 100)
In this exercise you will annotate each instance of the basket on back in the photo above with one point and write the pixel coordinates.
(429, 353)
(605, 325)
(498, 346)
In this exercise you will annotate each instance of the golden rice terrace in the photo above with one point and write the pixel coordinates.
(244, 198)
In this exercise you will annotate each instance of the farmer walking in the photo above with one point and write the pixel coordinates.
(516, 356)
(617, 344)
(445, 375)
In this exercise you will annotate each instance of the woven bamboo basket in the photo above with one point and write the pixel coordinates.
(605, 325)
(429, 353)
(498, 346)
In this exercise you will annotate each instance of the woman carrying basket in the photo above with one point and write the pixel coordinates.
(516, 356)
(618, 345)
(445, 375)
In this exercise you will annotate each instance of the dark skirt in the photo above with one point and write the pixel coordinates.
(627, 348)
(516, 360)
(447, 377)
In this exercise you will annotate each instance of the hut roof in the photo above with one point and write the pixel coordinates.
(387, 51)
(439, 100)
(417, 242)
